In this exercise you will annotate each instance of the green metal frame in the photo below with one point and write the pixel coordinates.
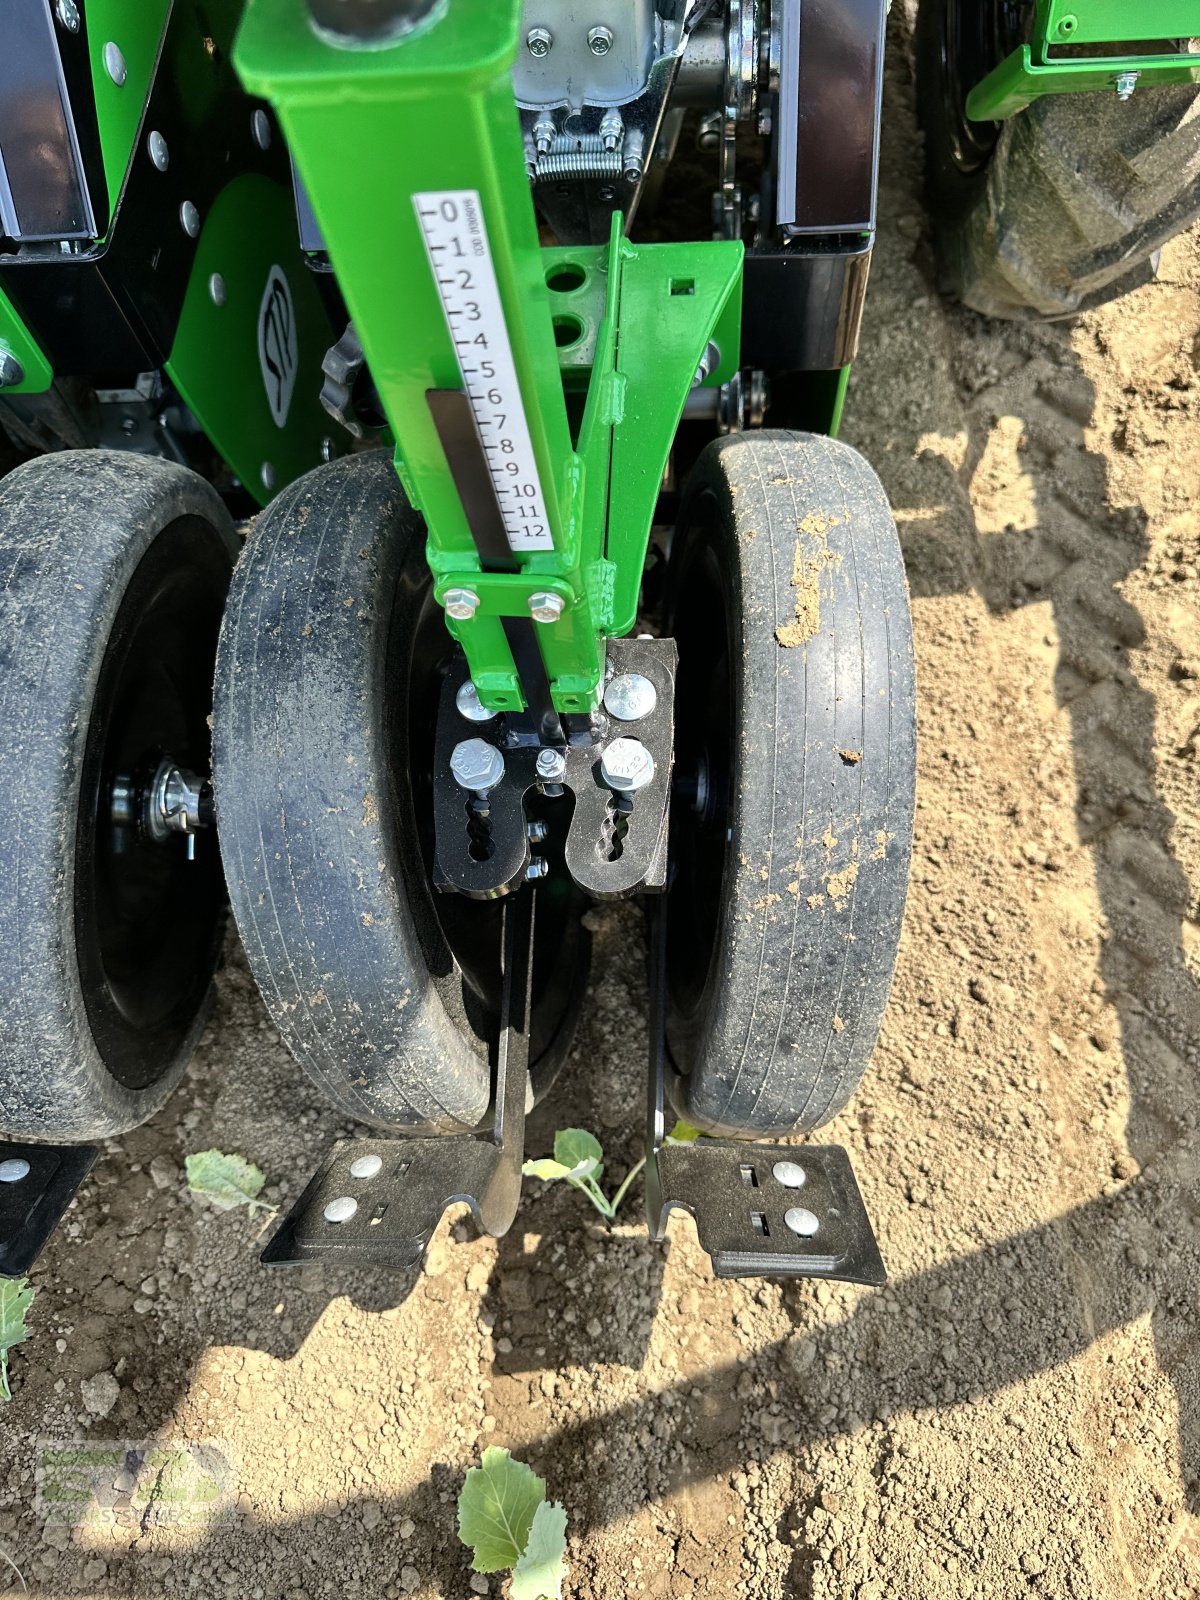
(1033, 70)
(368, 129)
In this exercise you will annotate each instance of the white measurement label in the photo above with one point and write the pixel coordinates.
(452, 223)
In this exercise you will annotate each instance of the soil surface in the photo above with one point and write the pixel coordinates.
(1018, 1412)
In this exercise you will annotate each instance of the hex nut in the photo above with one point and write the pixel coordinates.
(551, 765)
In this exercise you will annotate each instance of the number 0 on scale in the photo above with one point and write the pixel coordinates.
(452, 225)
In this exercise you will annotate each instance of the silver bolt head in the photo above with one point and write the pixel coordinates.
(159, 153)
(11, 370)
(790, 1174)
(470, 705)
(260, 127)
(267, 474)
(539, 42)
(461, 604)
(476, 765)
(216, 288)
(189, 219)
(67, 13)
(626, 766)
(538, 868)
(114, 63)
(551, 765)
(802, 1222)
(14, 1169)
(599, 41)
(629, 697)
(546, 607)
(341, 1209)
(366, 1166)
(1126, 83)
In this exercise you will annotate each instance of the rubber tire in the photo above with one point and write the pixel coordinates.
(1080, 193)
(74, 527)
(780, 1031)
(314, 769)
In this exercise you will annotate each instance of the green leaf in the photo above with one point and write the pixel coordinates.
(683, 1133)
(539, 1574)
(548, 1169)
(16, 1297)
(574, 1146)
(496, 1510)
(227, 1181)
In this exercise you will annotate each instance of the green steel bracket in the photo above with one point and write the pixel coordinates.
(1031, 71)
(17, 341)
(433, 114)
(252, 332)
(124, 42)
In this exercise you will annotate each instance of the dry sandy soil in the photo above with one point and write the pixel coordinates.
(1017, 1413)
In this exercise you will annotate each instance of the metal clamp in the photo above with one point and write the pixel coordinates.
(761, 1211)
(37, 1184)
(376, 1202)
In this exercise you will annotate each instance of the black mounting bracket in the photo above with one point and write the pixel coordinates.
(376, 1202)
(37, 1184)
(761, 1210)
(601, 870)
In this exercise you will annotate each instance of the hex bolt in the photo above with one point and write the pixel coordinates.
(11, 370)
(341, 1209)
(470, 705)
(1126, 83)
(551, 764)
(546, 607)
(159, 154)
(626, 766)
(476, 765)
(189, 219)
(366, 1166)
(267, 474)
(14, 1169)
(461, 604)
(327, 450)
(260, 127)
(216, 288)
(600, 40)
(629, 697)
(67, 13)
(539, 42)
(790, 1174)
(537, 832)
(114, 63)
(538, 868)
(709, 362)
(612, 129)
(800, 1221)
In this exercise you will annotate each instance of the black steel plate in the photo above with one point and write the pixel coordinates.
(739, 1206)
(30, 1208)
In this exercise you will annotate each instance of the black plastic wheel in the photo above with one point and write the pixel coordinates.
(795, 754)
(113, 575)
(1062, 206)
(328, 675)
